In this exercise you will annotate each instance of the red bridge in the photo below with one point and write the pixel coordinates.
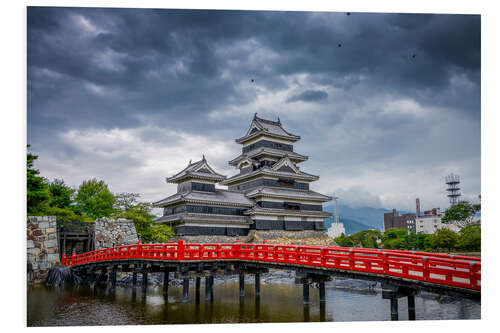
(401, 273)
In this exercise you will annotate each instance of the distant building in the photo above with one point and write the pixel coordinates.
(336, 229)
(394, 220)
(431, 221)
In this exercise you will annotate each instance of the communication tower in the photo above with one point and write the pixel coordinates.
(453, 182)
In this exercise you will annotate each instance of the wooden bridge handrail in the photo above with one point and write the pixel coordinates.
(443, 269)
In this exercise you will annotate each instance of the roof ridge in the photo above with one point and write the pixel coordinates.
(271, 122)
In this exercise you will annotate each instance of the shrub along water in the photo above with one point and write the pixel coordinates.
(468, 239)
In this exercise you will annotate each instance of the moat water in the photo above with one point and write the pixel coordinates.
(278, 302)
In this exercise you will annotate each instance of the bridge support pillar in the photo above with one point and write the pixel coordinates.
(411, 307)
(305, 292)
(257, 284)
(208, 288)
(134, 277)
(185, 290)
(242, 284)
(197, 287)
(165, 282)
(113, 277)
(144, 281)
(322, 291)
(394, 308)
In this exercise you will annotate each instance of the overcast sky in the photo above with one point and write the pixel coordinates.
(386, 105)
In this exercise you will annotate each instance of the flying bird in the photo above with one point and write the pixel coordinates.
(252, 80)
(413, 56)
(340, 45)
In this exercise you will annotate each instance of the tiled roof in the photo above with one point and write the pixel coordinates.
(206, 218)
(269, 151)
(198, 170)
(273, 211)
(269, 127)
(219, 197)
(287, 193)
(267, 171)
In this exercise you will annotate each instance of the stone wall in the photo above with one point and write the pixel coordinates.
(42, 246)
(109, 233)
(305, 237)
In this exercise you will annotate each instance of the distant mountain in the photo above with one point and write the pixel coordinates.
(371, 217)
(351, 226)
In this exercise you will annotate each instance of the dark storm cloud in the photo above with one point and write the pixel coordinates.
(309, 96)
(204, 72)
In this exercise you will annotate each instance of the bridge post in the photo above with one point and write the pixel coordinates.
(144, 280)
(165, 282)
(113, 277)
(322, 292)
(257, 284)
(208, 288)
(185, 290)
(211, 287)
(197, 288)
(411, 307)
(305, 291)
(134, 276)
(394, 308)
(242, 284)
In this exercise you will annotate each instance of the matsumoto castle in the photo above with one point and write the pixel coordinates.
(270, 192)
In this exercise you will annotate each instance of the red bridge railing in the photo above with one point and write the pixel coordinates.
(439, 268)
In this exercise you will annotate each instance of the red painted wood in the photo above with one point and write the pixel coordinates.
(439, 268)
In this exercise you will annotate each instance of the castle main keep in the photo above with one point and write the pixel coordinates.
(270, 192)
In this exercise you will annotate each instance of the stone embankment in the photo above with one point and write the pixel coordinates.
(42, 247)
(306, 237)
(109, 233)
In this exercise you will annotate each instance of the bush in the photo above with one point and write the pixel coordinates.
(469, 238)
(443, 239)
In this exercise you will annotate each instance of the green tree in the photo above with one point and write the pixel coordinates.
(94, 199)
(469, 238)
(60, 194)
(443, 239)
(147, 230)
(344, 241)
(460, 214)
(423, 241)
(124, 201)
(395, 238)
(37, 194)
(161, 233)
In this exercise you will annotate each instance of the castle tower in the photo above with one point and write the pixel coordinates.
(269, 175)
(199, 208)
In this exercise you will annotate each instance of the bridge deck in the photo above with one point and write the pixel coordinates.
(460, 274)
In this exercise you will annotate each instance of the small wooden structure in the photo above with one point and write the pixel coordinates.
(75, 237)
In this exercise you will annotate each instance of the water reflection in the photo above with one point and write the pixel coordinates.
(276, 303)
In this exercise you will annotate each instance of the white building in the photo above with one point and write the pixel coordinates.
(336, 229)
(428, 224)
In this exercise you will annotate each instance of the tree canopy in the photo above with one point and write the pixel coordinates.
(37, 193)
(461, 214)
(94, 199)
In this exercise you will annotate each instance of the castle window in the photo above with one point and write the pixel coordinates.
(291, 206)
(286, 182)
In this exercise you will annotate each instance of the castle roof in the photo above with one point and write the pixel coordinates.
(219, 197)
(266, 171)
(260, 126)
(197, 170)
(256, 210)
(271, 152)
(285, 193)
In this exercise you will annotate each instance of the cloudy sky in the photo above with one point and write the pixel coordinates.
(387, 105)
